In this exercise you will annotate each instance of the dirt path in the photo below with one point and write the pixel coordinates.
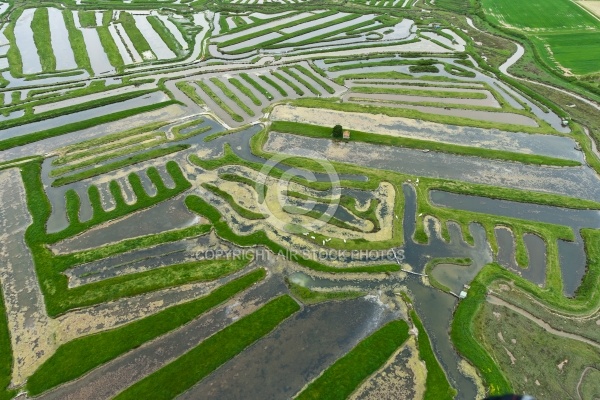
(585, 371)
(543, 324)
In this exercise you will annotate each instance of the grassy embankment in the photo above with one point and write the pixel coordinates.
(13, 54)
(6, 360)
(386, 140)
(120, 144)
(288, 82)
(257, 86)
(108, 44)
(333, 104)
(190, 91)
(168, 382)
(143, 199)
(202, 207)
(22, 140)
(105, 143)
(137, 38)
(113, 166)
(40, 25)
(243, 212)
(165, 34)
(437, 386)
(312, 76)
(299, 79)
(77, 42)
(466, 337)
(79, 356)
(245, 37)
(210, 93)
(273, 84)
(310, 296)
(57, 296)
(346, 374)
(415, 92)
(243, 89)
(232, 96)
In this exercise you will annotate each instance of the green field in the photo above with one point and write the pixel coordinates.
(566, 37)
(578, 52)
(539, 15)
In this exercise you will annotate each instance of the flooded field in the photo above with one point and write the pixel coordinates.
(299, 349)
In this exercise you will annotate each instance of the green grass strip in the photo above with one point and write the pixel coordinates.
(165, 34)
(122, 149)
(87, 19)
(247, 92)
(464, 332)
(315, 78)
(308, 296)
(302, 81)
(273, 84)
(250, 36)
(144, 200)
(76, 126)
(199, 362)
(381, 63)
(69, 157)
(210, 93)
(40, 25)
(93, 146)
(333, 104)
(110, 47)
(325, 36)
(288, 82)
(13, 55)
(385, 140)
(257, 86)
(227, 92)
(465, 340)
(79, 356)
(77, 43)
(190, 91)
(347, 373)
(105, 101)
(59, 298)
(243, 212)
(138, 158)
(276, 42)
(416, 92)
(137, 38)
(257, 186)
(437, 386)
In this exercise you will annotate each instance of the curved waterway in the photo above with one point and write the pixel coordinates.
(435, 308)
(572, 254)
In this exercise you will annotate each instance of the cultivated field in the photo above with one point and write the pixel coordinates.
(565, 34)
